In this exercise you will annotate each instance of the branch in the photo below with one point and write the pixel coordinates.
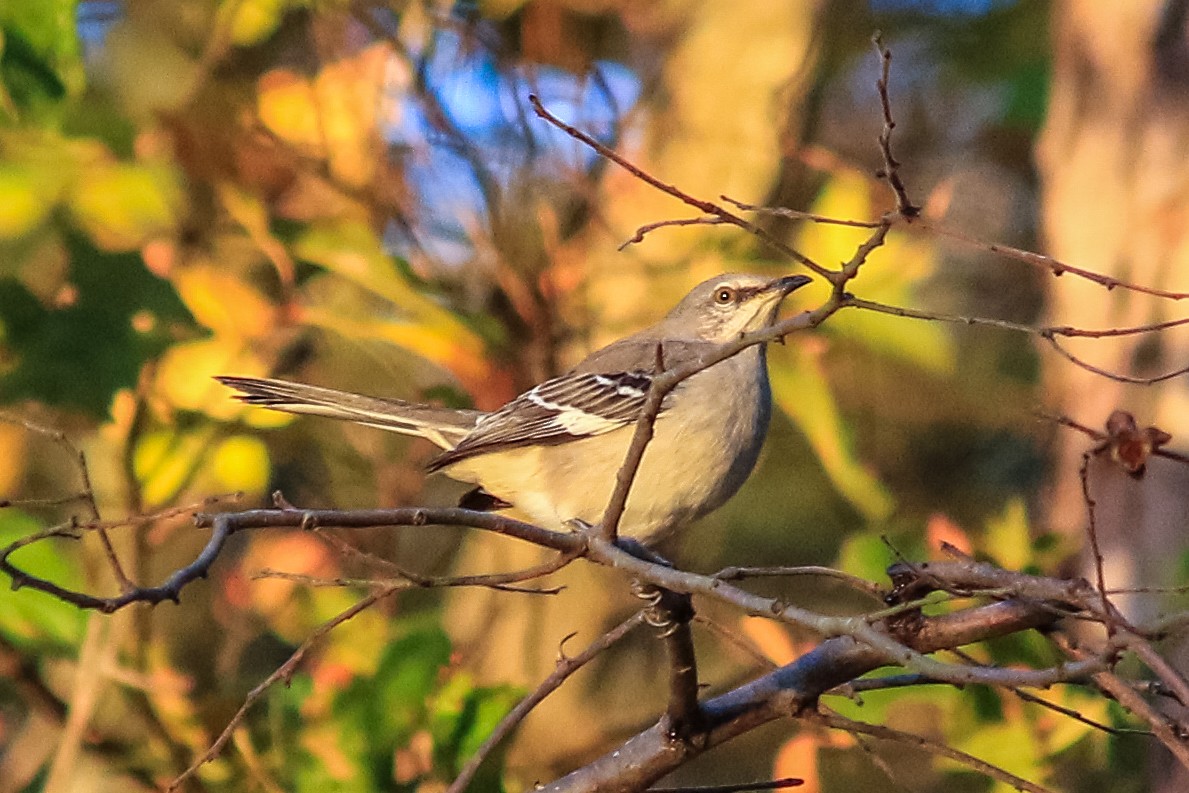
(652, 754)
(709, 207)
(891, 168)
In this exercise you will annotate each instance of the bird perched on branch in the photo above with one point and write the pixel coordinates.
(553, 452)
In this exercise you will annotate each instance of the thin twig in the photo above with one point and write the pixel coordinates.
(1166, 731)
(891, 168)
(839, 722)
(1108, 609)
(797, 214)
(566, 666)
(1054, 266)
(853, 581)
(643, 231)
(708, 207)
(285, 673)
(740, 787)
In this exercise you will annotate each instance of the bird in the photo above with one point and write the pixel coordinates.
(552, 453)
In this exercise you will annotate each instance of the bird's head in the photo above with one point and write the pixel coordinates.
(721, 308)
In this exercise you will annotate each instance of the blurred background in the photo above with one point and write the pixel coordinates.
(358, 195)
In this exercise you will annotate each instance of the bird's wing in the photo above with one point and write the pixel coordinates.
(575, 405)
(443, 426)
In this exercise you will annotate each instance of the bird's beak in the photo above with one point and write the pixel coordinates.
(788, 284)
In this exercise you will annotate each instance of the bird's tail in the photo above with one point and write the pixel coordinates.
(444, 427)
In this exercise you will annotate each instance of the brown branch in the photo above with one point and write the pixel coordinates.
(1169, 733)
(673, 613)
(87, 494)
(651, 754)
(891, 168)
(740, 787)
(852, 581)
(1054, 266)
(225, 524)
(1118, 378)
(648, 228)
(797, 214)
(707, 207)
(1108, 610)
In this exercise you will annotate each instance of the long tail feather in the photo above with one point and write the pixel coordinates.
(444, 427)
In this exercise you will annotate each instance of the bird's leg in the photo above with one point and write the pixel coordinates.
(671, 612)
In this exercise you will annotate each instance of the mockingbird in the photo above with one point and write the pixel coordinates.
(553, 452)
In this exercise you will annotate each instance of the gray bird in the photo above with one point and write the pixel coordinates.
(553, 452)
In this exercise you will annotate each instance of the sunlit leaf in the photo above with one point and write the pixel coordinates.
(241, 463)
(801, 390)
(166, 460)
(289, 109)
(892, 275)
(421, 325)
(224, 302)
(123, 205)
(249, 22)
(1008, 538)
(26, 202)
(185, 379)
(1010, 746)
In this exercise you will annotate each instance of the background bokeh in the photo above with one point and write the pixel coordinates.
(358, 195)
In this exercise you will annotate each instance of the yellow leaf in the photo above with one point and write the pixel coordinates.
(1008, 538)
(165, 461)
(249, 22)
(241, 463)
(770, 638)
(801, 390)
(890, 276)
(1011, 747)
(287, 108)
(224, 302)
(473, 370)
(26, 200)
(121, 206)
(185, 379)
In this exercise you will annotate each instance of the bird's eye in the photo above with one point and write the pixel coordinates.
(724, 295)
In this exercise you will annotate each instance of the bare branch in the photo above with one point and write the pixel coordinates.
(708, 207)
(891, 168)
(643, 231)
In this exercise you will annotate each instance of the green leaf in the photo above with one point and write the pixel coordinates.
(79, 354)
(40, 56)
(866, 556)
(28, 616)
(463, 716)
(1008, 538)
(801, 390)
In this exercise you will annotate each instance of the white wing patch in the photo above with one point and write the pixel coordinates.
(563, 409)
